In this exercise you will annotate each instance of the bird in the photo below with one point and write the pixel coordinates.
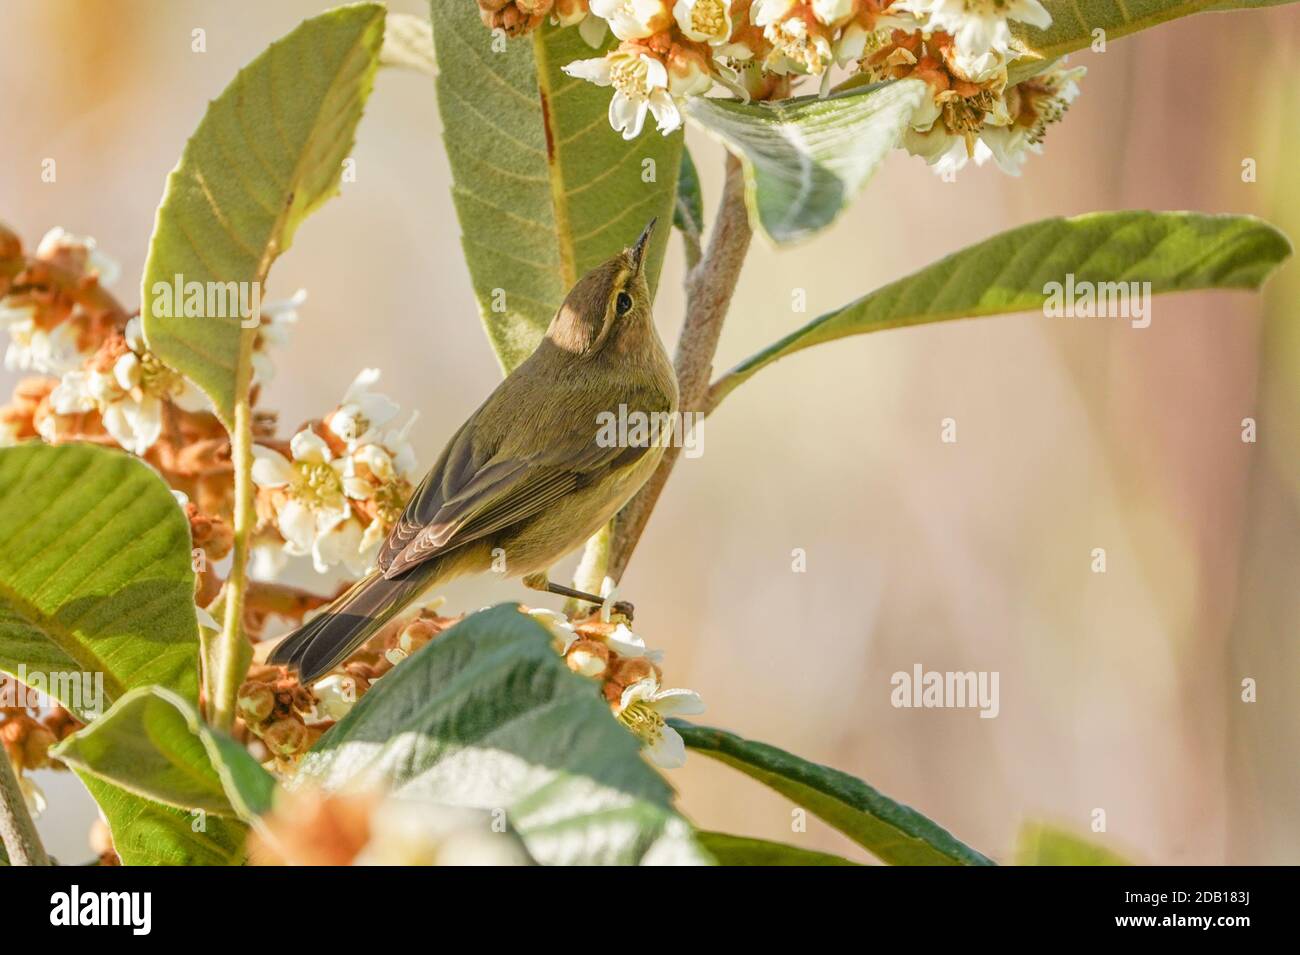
(528, 476)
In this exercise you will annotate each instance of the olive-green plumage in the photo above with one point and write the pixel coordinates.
(526, 473)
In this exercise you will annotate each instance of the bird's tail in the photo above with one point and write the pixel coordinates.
(329, 638)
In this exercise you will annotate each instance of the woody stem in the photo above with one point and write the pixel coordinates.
(709, 288)
(17, 831)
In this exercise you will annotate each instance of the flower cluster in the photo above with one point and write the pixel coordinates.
(280, 718)
(337, 487)
(671, 50)
(972, 112)
(311, 827)
(26, 734)
(603, 648)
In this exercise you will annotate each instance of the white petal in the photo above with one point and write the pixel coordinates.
(669, 750)
(678, 703)
(297, 526)
(626, 115)
(640, 690)
(127, 371)
(270, 468)
(595, 70)
(665, 112)
(308, 446)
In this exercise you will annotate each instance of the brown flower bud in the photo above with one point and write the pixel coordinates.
(629, 670)
(588, 658)
(255, 701)
(285, 737)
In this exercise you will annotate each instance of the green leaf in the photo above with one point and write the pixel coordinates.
(268, 152)
(743, 850)
(154, 744)
(1041, 844)
(544, 189)
(488, 716)
(1174, 251)
(1074, 20)
(893, 832)
(805, 159)
(95, 576)
(688, 209)
(149, 833)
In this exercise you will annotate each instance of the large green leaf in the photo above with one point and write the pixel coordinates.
(1041, 844)
(488, 716)
(148, 833)
(1073, 23)
(893, 832)
(268, 152)
(744, 850)
(544, 188)
(805, 159)
(95, 576)
(153, 743)
(1174, 251)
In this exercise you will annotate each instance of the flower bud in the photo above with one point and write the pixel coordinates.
(255, 702)
(588, 658)
(285, 737)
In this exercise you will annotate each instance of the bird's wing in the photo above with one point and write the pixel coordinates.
(457, 503)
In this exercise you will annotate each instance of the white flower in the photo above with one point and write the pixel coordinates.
(832, 12)
(644, 707)
(640, 84)
(406, 832)
(977, 26)
(129, 397)
(633, 19)
(559, 626)
(362, 413)
(704, 21)
(336, 694)
(795, 47)
(31, 348)
(277, 318)
(312, 514)
(77, 253)
(1017, 126)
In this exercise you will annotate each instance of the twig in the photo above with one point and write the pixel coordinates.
(17, 831)
(231, 653)
(709, 288)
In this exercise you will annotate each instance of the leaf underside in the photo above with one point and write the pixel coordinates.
(488, 716)
(267, 153)
(807, 158)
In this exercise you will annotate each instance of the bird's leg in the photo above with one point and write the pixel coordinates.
(540, 581)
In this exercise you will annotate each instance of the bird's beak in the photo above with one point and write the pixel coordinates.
(638, 247)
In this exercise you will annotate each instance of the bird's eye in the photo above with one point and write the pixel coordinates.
(623, 304)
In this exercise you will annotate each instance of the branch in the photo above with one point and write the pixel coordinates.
(709, 287)
(17, 831)
(231, 650)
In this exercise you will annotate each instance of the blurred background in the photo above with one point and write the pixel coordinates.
(1119, 691)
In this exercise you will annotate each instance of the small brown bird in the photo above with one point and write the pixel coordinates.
(528, 473)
